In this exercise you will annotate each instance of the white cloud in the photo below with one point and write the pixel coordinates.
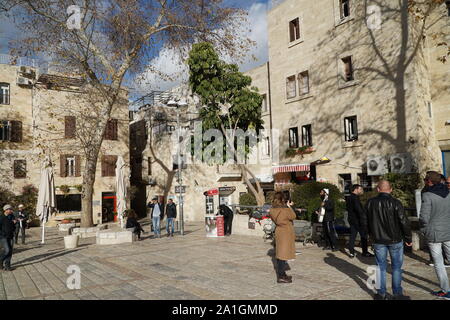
(169, 62)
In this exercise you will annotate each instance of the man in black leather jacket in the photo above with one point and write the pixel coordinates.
(355, 211)
(388, 227)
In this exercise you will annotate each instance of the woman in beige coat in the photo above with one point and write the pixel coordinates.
(283, 216)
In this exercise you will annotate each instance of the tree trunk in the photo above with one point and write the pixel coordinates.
(400, 100)
(257, 192)
(88, 192)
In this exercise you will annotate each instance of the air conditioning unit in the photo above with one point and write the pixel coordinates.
(27, 70)
(401, 163)
(24, 81)
(377, 166)
(151, 181)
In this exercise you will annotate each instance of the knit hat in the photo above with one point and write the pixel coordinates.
(327, 191)
(6, 207)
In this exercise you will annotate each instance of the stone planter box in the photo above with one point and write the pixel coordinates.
(106, 237)
(65, 227)
(88, 232)
(71, 242)
(243, 226)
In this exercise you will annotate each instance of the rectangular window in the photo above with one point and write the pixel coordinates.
(447, 3)
(293, 137)
(290, 87)
(4, 93)
(109, 166)
(20, 169)
(266, 146)
(303, 82)
(5, 130)
(307, 135)
(345, 8)
(70, 166)
(351, 128)
(170, 128)
(365, 181)
(68, 202)
(264, 103)
(446, 162)
(347, 67)
(345, 182)
(69, 127)
(111, 130)
(294, 29)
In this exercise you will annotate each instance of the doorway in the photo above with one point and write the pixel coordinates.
(109, 206)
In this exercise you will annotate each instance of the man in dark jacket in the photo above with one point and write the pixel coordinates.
(7, 226)
(227, 214)
(435, 225)
(171, 213)
(157, 214)
(355, 210)
(329, 231)
(22, 218)
(388, 227)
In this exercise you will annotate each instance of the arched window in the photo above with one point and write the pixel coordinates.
(4, 93)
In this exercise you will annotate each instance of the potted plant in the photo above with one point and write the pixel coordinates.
(65, 221)
(305, 150)
(71, 241)
(64, 189)
(291, 152)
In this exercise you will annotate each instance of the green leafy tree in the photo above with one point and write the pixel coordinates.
(228, 103)
(307, 196)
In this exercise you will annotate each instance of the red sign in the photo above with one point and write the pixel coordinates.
(220, 225)
(213, 192)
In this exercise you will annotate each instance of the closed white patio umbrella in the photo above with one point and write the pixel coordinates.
(46, 198)
(121, 189)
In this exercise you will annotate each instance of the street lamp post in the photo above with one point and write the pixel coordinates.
(178, 105)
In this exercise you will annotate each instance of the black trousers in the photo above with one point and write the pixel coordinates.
(228, 221)
(16, 234)
(281, 267)
(5, 257)
(354, 230)
(329, 234)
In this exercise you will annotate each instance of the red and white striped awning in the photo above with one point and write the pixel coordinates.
(291, 168)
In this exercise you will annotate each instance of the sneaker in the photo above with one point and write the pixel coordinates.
(431, 264)
(441, 294)
(352, 255)
(284, 279)
(381, 297)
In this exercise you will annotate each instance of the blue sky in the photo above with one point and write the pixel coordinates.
(165, 59)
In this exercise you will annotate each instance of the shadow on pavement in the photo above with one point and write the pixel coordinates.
(43, 257)
(355, 273)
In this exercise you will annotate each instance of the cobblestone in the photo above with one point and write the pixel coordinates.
(193, 267)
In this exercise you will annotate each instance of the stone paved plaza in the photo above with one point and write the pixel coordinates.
(193, 267)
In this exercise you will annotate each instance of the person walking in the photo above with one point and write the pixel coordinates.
(157, 214)
(355, 211)
(132, 223)
(283, 216)
(227, 214)
(171, 213)
(427, 186)
(389, 228)
(22, 219)
(7, 228)
(326, 216)
(435, 225)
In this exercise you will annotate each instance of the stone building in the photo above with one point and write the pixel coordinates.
(353, 88)
(43, 114)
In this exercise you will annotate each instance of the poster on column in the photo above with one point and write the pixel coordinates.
(214, 226)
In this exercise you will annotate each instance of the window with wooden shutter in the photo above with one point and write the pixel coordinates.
(16, 131)
(294, 29)
(20, 169)
(5, 130)
(291, 88)
(109, 166)
(62, 166)
(70, 127)
(347, 68)
(77, 166)
(111, 130)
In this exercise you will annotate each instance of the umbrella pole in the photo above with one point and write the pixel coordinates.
(43, 232)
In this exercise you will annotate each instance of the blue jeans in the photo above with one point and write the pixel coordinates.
(5, 257)
(396, 253)
(436, 250)
(170, 225)
(156, 225)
